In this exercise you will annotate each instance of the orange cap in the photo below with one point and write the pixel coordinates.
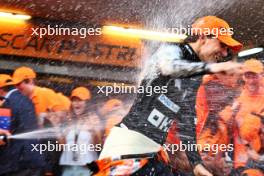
(82, 93)
(64, 103)
(22, 73)
(212, 25)
(111, 104)
(5, 80)
(253, 172)
(253, 65)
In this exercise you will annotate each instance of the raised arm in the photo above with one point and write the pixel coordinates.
(170, 61)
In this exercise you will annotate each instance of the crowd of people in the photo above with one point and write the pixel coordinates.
(223, 136)
(32, 107)
(227, 126)
(230, 110)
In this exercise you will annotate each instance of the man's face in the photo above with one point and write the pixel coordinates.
(252, 81)
(212, 50)
(24, 88)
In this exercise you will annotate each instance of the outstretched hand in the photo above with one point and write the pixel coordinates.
(4, 132)
(229, 67)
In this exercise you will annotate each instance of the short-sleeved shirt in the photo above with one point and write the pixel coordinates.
(43, 99)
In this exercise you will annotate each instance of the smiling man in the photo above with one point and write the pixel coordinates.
(134, 147)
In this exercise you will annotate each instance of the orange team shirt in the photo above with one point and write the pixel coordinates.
(249, 104)
(248, 124)
(201, 105)
(43, 99)
(206, 138)
(202, 110)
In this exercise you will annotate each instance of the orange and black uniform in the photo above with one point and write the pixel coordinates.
(153, 115)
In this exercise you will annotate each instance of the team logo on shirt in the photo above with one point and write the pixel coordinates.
(168, 103)
(159, 120)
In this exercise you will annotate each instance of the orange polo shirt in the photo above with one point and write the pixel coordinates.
(206, 138)
(248, 125)
(201, 105)
(43, 99)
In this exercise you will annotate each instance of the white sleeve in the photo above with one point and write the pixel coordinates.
(170, 61)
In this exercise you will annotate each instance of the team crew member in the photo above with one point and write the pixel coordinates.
(215, 92)
(214, 133)
(17, 158)
(59, 114)
(247, 115)
(230, 82)
(134, 147)
(42, 98)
